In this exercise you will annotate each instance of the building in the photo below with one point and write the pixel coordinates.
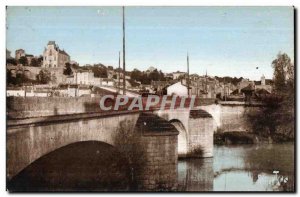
(159, 85)
(107, 82)
(85, 77)
(54, 57)
(19, 53)
(15, 91)
(28, 91)
(84, 91)
(264, 83)
(244, 83)
(8, 54)
(178, 74)
(248, 92)
(29, 57)
(177, 89)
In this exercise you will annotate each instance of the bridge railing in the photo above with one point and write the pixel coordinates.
(18, 107)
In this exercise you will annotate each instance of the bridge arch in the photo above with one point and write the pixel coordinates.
(95, 162)
(199, 125)
(183, 137)
(28, 142)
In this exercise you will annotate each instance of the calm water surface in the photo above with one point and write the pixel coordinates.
(94, 166)
(240, 168)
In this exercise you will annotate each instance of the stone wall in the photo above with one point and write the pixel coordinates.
(201, 130)
(33, 71)
(20, 107)
(160, 171)
(234, 118)
(230, 117)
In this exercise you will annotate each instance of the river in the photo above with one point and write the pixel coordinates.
(93, 166)
(265, 167)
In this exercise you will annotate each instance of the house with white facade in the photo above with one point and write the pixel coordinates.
(177, 89)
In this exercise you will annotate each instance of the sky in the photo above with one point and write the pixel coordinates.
(224, 41)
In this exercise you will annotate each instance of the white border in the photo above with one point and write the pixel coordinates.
(4, 3)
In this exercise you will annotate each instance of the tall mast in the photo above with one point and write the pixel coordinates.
(119, 80)
(188, 74)
(206, 82)
(124, 52)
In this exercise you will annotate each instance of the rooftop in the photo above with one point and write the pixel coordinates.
(51, 43)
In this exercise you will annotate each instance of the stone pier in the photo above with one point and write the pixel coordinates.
(159, 138)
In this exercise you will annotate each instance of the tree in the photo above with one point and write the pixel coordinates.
(34, 62)
(9, 78)
(75, 66)
(44, 76)
(154, 75)
(23, 60)
(11, 61)
(136, 75)
(40, 60)
(99, 71)
(265, 120)
(283, 72)
(279, 106)
(68, 69)
(18, 79)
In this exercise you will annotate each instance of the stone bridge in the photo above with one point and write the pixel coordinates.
(165, 134)
(28, 139)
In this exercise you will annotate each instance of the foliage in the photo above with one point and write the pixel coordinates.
(44, 76)
(36, 62)
(233, 137)
(283, 72)
(68, 70)
(11, 61)
(233, 80)
(146, 78)
(136, 75)
(195, 153)
(18, 79)
(110, 68)
(278, 114)
(23, 60)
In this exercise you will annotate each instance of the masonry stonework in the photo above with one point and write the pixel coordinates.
(160, 171)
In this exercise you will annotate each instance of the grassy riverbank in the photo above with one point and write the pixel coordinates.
(236, 137)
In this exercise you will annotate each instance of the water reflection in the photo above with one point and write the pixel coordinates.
(240, 168)
(194, 174)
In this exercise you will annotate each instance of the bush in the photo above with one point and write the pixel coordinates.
(233, 137)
